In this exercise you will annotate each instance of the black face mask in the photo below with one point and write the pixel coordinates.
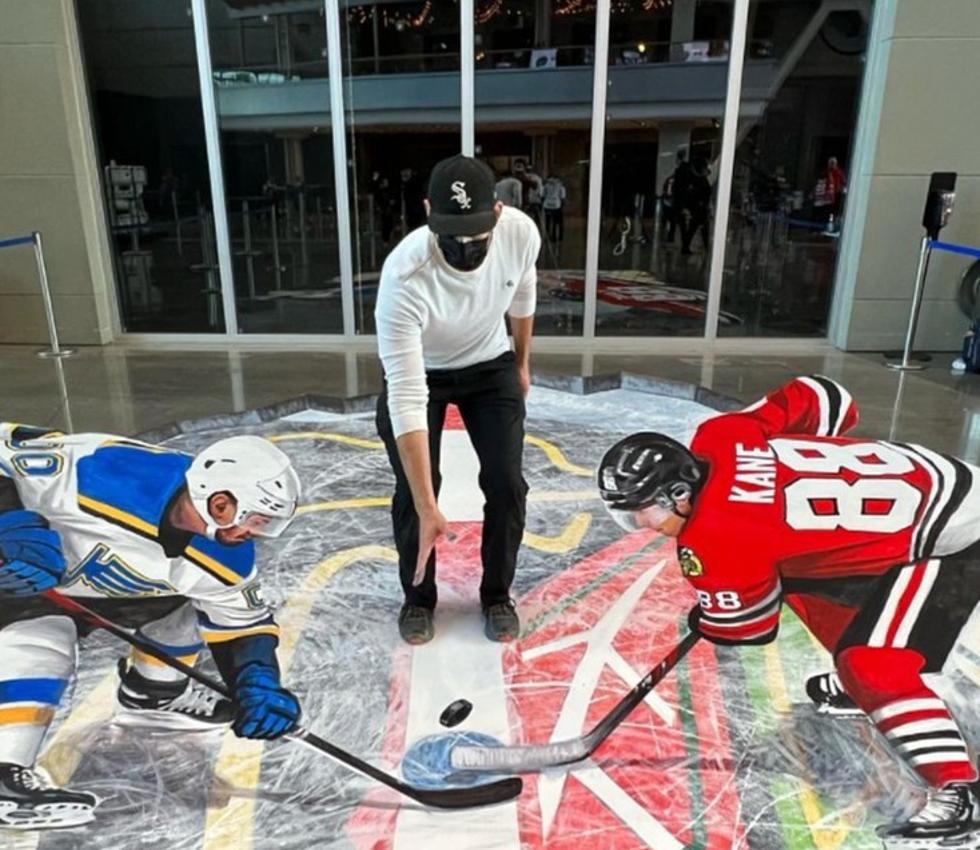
(464, 256)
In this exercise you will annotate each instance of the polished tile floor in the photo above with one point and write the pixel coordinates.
(126, 390)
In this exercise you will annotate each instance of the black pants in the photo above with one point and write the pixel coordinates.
(491, 403)
(555, 224)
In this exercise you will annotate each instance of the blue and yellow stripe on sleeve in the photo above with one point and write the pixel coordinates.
(218, 633)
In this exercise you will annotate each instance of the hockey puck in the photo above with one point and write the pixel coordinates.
(456, 712)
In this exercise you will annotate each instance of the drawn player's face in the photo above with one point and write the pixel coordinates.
(223, 509)
(664, 520)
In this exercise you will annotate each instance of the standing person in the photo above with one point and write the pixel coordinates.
(828, 193)
(534, 195)
(159, 541)
(384, 203)
(412, 197)
(553, 201)
(445, 290)
(673, 193)
(509, 191)
(695, 205)
(836, 184)
(874, 545)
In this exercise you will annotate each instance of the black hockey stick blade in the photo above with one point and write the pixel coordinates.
(469, 798)
(440, 798)
(525, 758)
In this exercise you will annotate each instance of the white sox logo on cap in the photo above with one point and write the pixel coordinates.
(460, 196)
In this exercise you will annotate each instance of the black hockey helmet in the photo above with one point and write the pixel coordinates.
(645, 469)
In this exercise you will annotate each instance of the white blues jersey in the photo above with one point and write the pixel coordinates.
(107, 498)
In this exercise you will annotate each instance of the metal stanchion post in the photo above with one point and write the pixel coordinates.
(56, 350)
(180, 238)
(303, 250)
(925, 251)
(374, 255)
(276, 264)
(248, 253)
(658, 223)
(63, 386)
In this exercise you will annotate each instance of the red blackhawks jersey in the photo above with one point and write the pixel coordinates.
(791, 506)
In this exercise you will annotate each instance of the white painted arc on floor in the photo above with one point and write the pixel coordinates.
(443, 671)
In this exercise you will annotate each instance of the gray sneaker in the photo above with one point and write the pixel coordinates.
(502, 623)
(415, 624)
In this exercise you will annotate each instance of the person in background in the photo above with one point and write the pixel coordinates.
(413, 196)
(673, 190)
(695, 205)
(553, 202)
(509, 191)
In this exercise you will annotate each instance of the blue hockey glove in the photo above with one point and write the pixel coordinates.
(31, 560)
(263, 708)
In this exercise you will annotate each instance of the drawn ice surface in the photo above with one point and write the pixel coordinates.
(725, 754)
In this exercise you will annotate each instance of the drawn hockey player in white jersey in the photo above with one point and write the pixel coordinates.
(158, 541)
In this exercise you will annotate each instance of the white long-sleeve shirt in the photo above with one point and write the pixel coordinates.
(432, 316)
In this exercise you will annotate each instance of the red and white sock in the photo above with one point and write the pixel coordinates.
(887, 684)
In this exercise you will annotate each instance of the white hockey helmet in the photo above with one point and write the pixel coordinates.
(258, 475)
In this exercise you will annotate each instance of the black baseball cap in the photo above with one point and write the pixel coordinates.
(461, 197)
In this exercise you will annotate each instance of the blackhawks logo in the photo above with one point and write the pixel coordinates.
(690, 563)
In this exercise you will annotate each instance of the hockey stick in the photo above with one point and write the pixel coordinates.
(445, 798)
(526, 758)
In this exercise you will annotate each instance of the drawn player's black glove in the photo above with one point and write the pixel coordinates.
(31, 560)
(264, 708)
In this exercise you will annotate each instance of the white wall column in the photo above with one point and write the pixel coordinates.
(467, 71)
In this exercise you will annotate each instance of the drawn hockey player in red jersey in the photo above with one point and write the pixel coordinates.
(874, 545)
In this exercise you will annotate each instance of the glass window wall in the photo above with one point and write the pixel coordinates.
(533, 116)
(402, 101)
(143, 84)
(796, 131)
(273, 100)
(400, 84)
(667, 86)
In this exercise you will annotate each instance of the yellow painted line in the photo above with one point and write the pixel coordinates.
(557, 457)
(824, 837)
(546, 496)
(230, 820)
(345, 504)
(326, 435)
(567, 541)
(64, 751)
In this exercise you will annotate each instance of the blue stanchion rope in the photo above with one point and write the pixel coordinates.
(953, 248)
(17, 240)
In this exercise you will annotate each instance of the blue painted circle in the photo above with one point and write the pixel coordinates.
(428, 764)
